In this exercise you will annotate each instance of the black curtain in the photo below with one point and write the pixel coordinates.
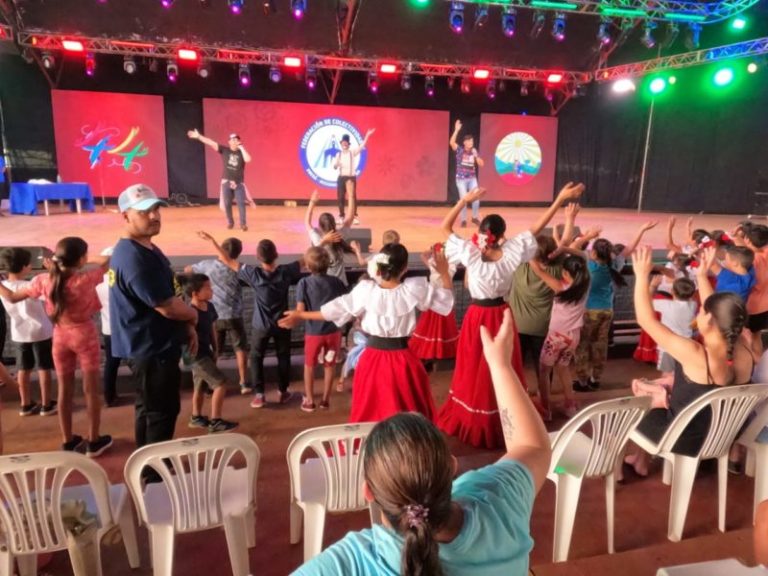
(186, 158)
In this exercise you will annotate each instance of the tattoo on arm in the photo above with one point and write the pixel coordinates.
(506, 425)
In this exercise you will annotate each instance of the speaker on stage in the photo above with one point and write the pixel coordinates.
(38, 254)
(362, 235)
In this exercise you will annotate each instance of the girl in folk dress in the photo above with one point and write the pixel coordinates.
(471, 412)
(389, 378)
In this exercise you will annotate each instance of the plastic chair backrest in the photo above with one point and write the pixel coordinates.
(194, 487)
(32, 524)
(612, 422)
(756, 426)
(731, 405)
(340, 449)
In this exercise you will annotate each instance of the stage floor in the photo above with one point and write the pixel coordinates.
(418, 226)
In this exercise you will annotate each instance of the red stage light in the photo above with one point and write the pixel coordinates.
(187, 54)
(555, 78)
(292, 62)
(388, 68)
(72, 45)
(482, 73)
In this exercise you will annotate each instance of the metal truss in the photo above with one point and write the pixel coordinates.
(668, 10)
(739, 50)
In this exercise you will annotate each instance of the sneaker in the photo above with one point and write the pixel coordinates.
(476, 221)
(285, 397)
(29, 409)
(258, 401)
(570, 409)
(307, 406)
(355, 220)
(593, 384)
(578, 386)
(324, 405)
(99, 446)
(220, 425)
(49, 409)
(74, 444)
(463, 224)
(198, 421)
(246, 388)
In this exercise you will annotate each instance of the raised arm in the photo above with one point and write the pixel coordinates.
(456, 129)
(555, 284)
(310, 208)
(581, 242)
(571, 211)
(450, 218)
(672, 247)
(570, 191)
(706, 260)
(195, 135)
(368, 135)
(223, 256)
(525, 436)
(640, 233)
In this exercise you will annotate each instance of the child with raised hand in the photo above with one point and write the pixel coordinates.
(470, 412)
(322, 340)
(204, 370)
(270, 282)
(388, 378)
(735, 273)
(564, 330)
(32, 332)
(71, 301)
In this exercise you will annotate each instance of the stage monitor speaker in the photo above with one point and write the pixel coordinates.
(362, 235)
(38, 254)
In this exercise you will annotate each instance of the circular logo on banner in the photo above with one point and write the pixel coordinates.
(518, 158)
(319, 146)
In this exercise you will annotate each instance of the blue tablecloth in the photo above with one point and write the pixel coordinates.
(24, 197)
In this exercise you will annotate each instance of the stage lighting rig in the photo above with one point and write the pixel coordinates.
(172, 72)
(274, 74)
(235, 6)
(48, 60)
(673, 30)
(129, 65)
(693, 36)
(373, 82)
(311, 78)
(490, 89)
(466, 86)
(456, 17)
(509, 21)
(539, 21)
(481, 15)
(298, 8)
(406, 82)
(204, 70)
(429, 86)
(604, 32)
(524, 88)
(558, 27)
(90, 64)
(647, 38)
(244, 75)
(166, 3)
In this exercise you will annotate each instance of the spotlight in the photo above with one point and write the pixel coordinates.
(657, 85)
(298, 8)
(72, 45)
(235, 6)
(466, 87)
(187, 54)
(672, 80)
(539, 21)
(508, 21)
(429, 86)
(739, 23)
(48, 60)
(558, 27)
(549, 95)
(129, 65)
(90, 64)
(205, 3)
(268, 6)
(153, 65)
(752, 67)
(490, 89)
(274, 74)
(723, 77)
(693, 36)
(373, 82)
(623, 85)
(481, 15)
(172, 71)
(481, 74)
(204, 70)
(166, 3)
(647, 39)
(311, 78)
(244, 75)
(524, 88)
(456, 17)
(673, 30)
(406, 82)
(604, 32)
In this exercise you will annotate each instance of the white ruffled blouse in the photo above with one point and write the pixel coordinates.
(388, 313)
(489, 279)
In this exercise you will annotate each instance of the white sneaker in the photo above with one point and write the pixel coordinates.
(355, 220)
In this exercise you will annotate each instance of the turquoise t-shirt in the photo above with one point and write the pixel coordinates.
(601, 286)
(495, 539)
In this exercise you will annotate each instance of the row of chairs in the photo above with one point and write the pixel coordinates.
(202, 488)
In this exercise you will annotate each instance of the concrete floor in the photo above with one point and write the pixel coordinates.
(641, 504)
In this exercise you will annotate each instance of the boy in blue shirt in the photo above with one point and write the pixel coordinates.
(735, 272)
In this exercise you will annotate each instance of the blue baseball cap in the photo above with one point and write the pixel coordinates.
(138, 197)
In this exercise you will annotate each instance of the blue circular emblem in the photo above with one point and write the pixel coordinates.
(321, 143)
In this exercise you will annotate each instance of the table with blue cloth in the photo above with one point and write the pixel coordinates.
(24, 197)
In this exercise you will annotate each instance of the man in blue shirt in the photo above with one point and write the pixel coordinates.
(148, 318)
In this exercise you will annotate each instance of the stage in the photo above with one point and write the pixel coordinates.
(419, 227)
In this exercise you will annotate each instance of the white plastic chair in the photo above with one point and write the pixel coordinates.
(576, 456)
(31, 525)
(728, 567)
(730, 405)
(330, 482)
(199, 491)
(757, 455)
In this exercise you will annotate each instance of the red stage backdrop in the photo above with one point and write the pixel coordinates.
(520, 154)
(293, 145)
(110, 140)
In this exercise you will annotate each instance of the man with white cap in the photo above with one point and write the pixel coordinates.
(149, 321)
(234, 157)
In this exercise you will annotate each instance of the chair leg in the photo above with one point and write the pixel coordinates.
(761, 478)
(314, 525)
(610, 499)
(749, 468)
(162, 550)
(297, 517)
(6, 562)
(567, 499)
(250, 527)
(237, 543)
(722, 491)
(128, 532)
(683, 475)
(667, 472)
(27, 565)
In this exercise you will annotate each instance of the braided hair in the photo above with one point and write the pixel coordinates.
(730, 316)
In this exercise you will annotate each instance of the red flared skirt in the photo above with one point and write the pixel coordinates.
(435, 337)
(388, 382)
(646, 350)
(471, 412)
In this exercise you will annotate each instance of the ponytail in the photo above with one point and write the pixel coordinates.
(420, 549)
(604, 251)
(576, 267)
(69, 252)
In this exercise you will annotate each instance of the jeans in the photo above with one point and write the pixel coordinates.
(111, 366)
(158, 396)
(259, 339)
(239, 195)
(465, 186)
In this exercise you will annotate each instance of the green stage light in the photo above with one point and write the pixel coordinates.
(723, 77)
(672, 80)
(657, 85)
(751, 67)
(739, 23)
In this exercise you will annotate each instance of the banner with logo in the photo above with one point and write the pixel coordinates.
(110, 140)
(293, 147)
(520, 154)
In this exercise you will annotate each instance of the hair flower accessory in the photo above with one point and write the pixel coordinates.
(377, 260)
(483, 239)
(416, 514)
(706, 242)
